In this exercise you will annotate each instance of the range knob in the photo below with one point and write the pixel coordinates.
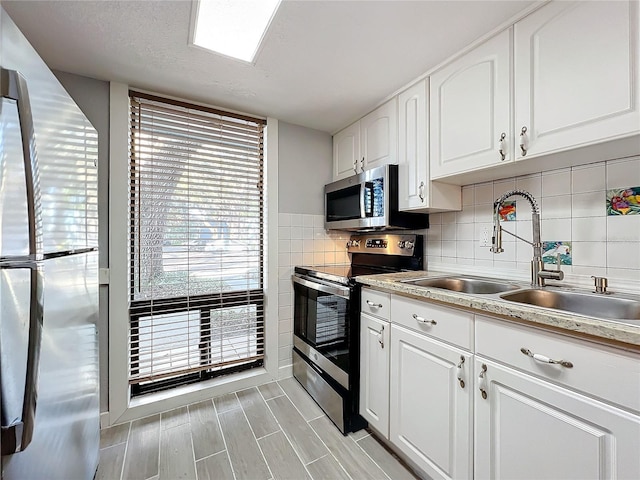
(409, 245)
(401, 244)
(353, 243)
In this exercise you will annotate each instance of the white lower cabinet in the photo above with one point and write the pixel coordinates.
(374, 372)
(527, 428)
(430, 404)
(469, 396)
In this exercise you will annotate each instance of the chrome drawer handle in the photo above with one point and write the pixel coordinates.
(482, 381)
(374, 305)
(460, 379)
(542, 359)
(424, 320)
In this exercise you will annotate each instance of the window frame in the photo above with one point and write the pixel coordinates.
(202, 304)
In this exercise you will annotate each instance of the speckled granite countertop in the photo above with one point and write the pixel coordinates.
(621, 334)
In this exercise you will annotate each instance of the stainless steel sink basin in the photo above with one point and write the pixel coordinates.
(593, 305)
(464, 284)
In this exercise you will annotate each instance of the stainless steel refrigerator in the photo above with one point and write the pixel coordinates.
(48, 272)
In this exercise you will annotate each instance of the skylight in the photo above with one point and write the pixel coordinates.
(233, 27)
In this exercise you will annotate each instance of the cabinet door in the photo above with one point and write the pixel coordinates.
(346, 152)
(374, 372)
(470, 110)
(430, 419)
(528, 428)
(379, 136)
(576, 75)
(413, 147)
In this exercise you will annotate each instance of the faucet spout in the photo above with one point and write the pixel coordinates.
(538, 273)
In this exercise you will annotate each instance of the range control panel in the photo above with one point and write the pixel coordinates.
(376, 243)
(387, 244)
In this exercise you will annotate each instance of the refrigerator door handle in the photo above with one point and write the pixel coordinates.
(14, 87)
(17, 436)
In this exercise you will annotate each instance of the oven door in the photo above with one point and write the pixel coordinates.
(321, 323)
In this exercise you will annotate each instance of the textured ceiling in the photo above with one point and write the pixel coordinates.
(322, 65)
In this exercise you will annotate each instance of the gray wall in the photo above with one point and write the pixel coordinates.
(304, 167)
(92, 96)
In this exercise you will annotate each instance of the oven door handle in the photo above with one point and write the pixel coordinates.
(333, 290)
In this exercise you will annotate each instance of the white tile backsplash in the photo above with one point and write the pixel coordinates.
(572, 207)
(556, 182)
(623, 173)
(589, 178)
(302, 241)
(590, 204)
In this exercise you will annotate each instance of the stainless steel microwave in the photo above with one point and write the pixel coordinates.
(367, 202)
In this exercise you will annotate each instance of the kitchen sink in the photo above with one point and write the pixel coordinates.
(464, 284)
(593, 305)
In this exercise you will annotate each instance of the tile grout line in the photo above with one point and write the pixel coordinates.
(254, 433)
(126, 450)
(295, 452)
(224, 440)
(193, 448)
(328, 449)
(372, 459)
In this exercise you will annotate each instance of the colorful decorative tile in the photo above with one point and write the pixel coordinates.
(551, 250)
(623, 201)
(508, 211)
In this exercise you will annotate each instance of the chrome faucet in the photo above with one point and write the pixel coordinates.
(538, 273)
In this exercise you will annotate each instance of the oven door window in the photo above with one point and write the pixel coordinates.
(322, 320)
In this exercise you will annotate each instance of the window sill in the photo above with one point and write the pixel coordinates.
(154, 403)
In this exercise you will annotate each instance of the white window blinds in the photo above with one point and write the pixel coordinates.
(196, 231)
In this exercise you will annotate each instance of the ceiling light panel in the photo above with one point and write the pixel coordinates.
(233, 27)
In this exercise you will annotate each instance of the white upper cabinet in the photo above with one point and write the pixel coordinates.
(470, 110)
(415, 190)
(576, 75)
(370, 142)
(379, 136)
(346, 152)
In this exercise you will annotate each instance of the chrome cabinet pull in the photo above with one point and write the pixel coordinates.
(362, 165)
(380, 337)
(543, 359)
(482, 382)
(460, 379)
(355, 166)
(374, 305)
(501, 142)
(421, 191)
(523, 141)
(424, 320)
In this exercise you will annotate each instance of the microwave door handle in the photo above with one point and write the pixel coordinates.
(14, 87)
(363, 196)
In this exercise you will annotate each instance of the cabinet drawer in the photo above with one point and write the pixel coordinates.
(605, 372)
(375, 303)
(448, 324)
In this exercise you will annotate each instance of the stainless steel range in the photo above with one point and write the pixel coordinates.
(326, 320)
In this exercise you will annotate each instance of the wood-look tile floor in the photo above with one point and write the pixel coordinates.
(274, 431)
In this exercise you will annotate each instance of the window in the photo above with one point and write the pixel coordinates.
(196, 243)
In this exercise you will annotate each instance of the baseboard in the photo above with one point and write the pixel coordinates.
(285, 372)
(104, 420)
